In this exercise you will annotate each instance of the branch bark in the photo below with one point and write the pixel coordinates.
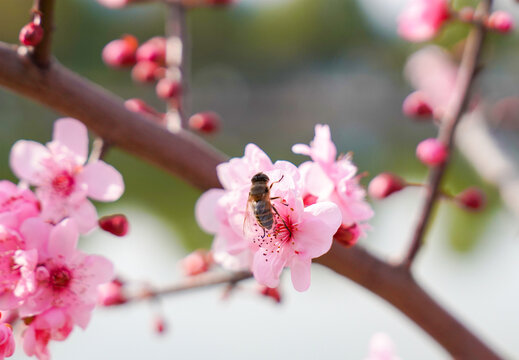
(189, 158)
(455, 109)
(43, 51)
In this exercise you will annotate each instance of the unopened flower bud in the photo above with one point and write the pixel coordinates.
(415, 106)
(500, 21)
(114, 224)
(384, 185)
(471, 199)
(205, 122)
(145, 71)
(432, 152)
(31, 34)
(159, 325)
(168, 89)
(153, 50)
(347, 235)
(111, 293)
(272, 293)
(120, 52)
(196, 263)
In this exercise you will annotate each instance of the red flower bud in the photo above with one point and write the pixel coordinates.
(471, 199)
(432, 152)
(153, 50)
(500, 21)
(347, 235)
(415, 106)
(159, 325)
(114, 224)
(272, 293)
(384, 185)
(31, 34)
(196, 263)
(120, 52)
(168, 89)
(145, 71)
(111, 294)
(205, 122)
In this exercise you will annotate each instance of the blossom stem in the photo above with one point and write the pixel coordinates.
(100, 148)
(455, 109)
(42, 52)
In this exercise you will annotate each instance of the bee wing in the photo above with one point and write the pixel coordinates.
(250, 224)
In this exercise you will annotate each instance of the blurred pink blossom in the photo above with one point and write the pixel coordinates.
(6, 341)
(62, 179)
(381, 347)
(421, 20)
(16, 204)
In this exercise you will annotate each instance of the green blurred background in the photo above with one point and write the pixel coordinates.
(271, 72)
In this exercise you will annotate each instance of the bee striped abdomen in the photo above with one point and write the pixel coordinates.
(263, 214)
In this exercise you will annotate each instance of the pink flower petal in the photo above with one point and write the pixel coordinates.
(205, 210)
(104, 182)
(36, 233)
(63, 239)
(25, 160)
(267, 268)
(300, 273)
(72, 134)
(317, 182)
(315, 234)
(85, 217)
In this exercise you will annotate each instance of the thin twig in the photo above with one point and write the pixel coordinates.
(191, 283)
(43, 51)
(455, 109)
(176, 61)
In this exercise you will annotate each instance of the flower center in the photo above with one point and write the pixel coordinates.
(60, 278)
(63, 184)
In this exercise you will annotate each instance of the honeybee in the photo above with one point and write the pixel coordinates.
(259, 205)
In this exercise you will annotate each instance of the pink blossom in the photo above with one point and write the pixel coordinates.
(153, 50)
(120, 52)
(299, 234)
(17, 266)
(421, 20)
(65, 276)
(416, 106)
(331, 179)
(54, 324)
(433, 73)
(16, 204)
(381, 347)
(6, 341)
(385, 184)
(114, 4)
(62, 179)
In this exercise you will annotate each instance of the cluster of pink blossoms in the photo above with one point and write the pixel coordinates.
(313, 201)
(44, 279)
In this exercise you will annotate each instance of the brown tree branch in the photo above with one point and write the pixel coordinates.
(455, 109)
(186, 156)
(43, 51)
(182, 153)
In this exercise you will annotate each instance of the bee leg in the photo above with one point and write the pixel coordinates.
(284, 223)
(278, 197)
(282, 176)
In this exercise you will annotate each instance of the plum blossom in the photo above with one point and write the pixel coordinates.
(6, 341)
(17, 268)
(298, 234)
(53, 324)
(422, 19)
(65, 276)
(327, 178)
(62, 179)
(16, 204)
